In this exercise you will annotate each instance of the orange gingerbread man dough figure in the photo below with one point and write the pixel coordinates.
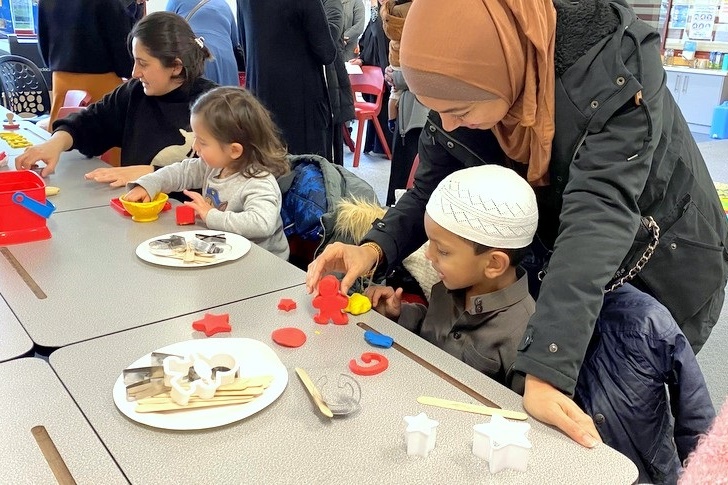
(330, 302)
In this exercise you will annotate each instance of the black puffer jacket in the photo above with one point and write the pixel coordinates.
(622, 150)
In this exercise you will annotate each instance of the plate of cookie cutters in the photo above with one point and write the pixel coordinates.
(208, 247)
(253, 358)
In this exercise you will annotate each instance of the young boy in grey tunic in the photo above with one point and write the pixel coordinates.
(240, 156)
(479, 222)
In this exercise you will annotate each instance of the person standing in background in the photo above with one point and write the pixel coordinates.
(341, 97)
(287, 44)
(147, 116)
(374, 51)
(213, 21)
(411, 115)
(136, 9)
(354, 22)
(85, 46)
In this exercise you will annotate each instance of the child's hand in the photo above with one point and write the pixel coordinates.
(198, 202)
(388, 76)
(137, 194)
(385, 300)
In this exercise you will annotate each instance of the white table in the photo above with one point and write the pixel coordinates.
(76, 192)
(14, 341)
(288, 442)
(31, 395)
(96, 285)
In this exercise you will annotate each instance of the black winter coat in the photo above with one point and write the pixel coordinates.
(341, 97)
(85, 37)
(622, 150)
(287, 45)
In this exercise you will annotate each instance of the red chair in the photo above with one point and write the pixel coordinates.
(76, 97)
(67, 110)
(371, 81)
(74, 100)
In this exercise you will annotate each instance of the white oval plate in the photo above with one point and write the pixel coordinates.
(237, 247)
(255, 359)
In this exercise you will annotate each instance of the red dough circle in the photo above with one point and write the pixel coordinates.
(289, 337)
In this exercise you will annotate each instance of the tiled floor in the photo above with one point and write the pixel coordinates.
(372, 168)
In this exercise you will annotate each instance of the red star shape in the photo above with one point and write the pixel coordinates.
(286, 304)
(212, 324)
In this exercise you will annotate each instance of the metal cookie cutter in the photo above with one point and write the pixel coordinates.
(147, 381)
(213, 372)
(206, 247)
(344, 397)
(171, 243)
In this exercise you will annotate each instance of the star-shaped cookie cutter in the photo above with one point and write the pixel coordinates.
(504, 444)
(212, 373)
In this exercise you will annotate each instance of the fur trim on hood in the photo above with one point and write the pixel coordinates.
(579, 26)
(354, 217)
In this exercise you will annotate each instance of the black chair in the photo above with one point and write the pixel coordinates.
(25, 92)
(28, 48)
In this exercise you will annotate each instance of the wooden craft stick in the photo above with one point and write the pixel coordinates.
(314, 392)
(241, 387)
(164, 399)
(245, 382)
(250, 392)
(172, 406)
(189, 257)
(471, 408)
(52, 456)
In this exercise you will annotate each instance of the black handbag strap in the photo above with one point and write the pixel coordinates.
(194, 10)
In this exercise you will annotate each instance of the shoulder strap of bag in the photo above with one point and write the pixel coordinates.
(194, 10)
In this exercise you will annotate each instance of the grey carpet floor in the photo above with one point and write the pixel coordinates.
(709, 358)
(372, 168)
(375, 170)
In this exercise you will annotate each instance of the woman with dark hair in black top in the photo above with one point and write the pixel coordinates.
(148, 116)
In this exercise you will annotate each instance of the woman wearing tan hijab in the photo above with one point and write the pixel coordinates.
(572, 96)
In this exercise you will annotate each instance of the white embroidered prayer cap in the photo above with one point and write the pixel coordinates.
(489, 204)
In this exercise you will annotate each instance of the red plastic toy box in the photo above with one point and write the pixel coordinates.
(23, 208)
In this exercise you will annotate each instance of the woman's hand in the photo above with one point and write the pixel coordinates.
(356, 61)
(138, 194)
(352, 260)
(118, 176)
(48, 152)
(198, 202)
(385, 300)
(549, 405)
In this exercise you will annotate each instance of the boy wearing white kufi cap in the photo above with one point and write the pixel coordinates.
(479, 222)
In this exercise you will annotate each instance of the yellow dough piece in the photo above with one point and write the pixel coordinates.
(15, 140)
(358, 304)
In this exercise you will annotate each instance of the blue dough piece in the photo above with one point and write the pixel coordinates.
(378, 340)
